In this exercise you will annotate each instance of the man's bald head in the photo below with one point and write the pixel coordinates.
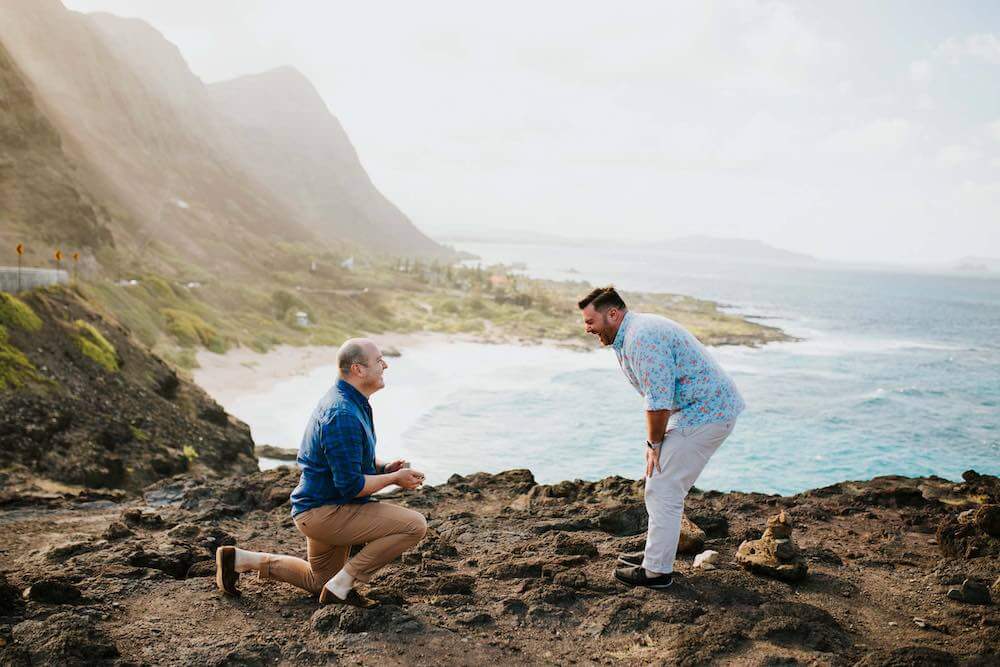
(361, 364)
(355, 351)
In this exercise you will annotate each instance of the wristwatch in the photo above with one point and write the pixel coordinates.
(654, 445)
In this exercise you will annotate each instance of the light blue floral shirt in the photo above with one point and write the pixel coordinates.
(673, 371)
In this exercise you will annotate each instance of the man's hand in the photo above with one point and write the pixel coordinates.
(407, 478)
(652, 459)
(394, 466)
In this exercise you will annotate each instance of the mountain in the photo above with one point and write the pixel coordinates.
(735, 248)
(38, 181)
(977, 264)
(290, 141)
(136, 145)
(171, 169)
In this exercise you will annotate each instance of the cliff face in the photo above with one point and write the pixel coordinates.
(154, 144)
(136, 141)
(290, 141)
(82, 403)
(37, 180)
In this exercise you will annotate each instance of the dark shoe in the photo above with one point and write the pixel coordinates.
(634, 558)
(637, 576)
(354, 599)
(226, 575)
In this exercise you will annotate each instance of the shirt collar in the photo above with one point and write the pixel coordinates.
(619, 342)
(348, 390)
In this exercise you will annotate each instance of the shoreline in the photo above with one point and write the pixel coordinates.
(242, 371)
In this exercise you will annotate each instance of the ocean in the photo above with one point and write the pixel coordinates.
(896, 373)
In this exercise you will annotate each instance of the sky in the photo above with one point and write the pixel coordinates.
(855, 130)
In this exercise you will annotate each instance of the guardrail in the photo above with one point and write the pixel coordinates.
(30, 278)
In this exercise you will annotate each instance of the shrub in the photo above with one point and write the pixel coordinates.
(15, 368)
(95, 346)
(191, 330)
(16, 313)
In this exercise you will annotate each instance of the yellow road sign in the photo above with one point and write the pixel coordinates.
(58, 255)
(20, 248)
(76, 257)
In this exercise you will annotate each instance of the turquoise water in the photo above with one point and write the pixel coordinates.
(896, 374)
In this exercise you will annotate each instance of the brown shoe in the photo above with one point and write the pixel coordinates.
(354, 599)
(226, 575)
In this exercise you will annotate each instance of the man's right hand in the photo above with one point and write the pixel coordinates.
(408, 478)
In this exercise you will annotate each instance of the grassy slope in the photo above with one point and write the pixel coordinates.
(175, 318)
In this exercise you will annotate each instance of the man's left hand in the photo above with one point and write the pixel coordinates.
(394, 466)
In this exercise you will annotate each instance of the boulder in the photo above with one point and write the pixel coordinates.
(971, 592)
(628, 520)
(774, 554)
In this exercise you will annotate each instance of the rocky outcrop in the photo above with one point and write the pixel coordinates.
(509, 572)
(95, 409)
(971, 533)
(775, 553)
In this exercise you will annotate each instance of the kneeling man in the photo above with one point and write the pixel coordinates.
(691, 408)
(333, 504)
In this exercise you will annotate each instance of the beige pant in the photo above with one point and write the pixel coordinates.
(385, 530)
(683, 455)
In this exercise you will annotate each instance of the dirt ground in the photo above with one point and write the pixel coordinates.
(510, 573)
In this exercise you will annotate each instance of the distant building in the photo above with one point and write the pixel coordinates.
(348, 264)
(302, 319)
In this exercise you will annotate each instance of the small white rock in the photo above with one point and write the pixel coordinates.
(707, 560)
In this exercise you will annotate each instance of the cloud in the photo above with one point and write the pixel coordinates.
(884, 135)
(921, 72)
(993, 129)
(984, 47)
(956, 155)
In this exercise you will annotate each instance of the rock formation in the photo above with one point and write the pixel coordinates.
(774, 554)
(87, 405)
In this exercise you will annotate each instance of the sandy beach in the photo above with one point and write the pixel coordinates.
(242, 371)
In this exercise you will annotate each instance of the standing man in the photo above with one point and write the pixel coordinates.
(691, 408)
(333, 505)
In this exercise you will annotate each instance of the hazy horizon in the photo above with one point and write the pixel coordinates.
(845, 132)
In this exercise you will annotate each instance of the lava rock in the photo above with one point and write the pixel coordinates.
(569, 545)
(116, 530)
(971, 592)
(63, 638)
(908, 656)
(10, 597)
(455, 584)
(53, 591)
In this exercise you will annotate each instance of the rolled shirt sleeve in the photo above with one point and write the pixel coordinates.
(655, 371)
(343, 444)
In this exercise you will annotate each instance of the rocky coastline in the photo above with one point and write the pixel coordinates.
(898, 571)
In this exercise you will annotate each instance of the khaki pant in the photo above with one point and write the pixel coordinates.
(386, 530)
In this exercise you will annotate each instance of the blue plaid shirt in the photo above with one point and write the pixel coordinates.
(337, 451)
